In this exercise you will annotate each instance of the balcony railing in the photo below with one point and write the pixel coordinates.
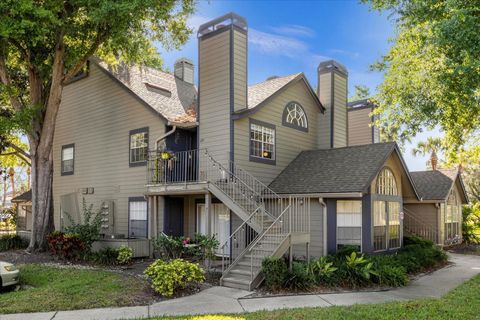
(170, 168)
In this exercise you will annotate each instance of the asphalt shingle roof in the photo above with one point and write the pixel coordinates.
(433, 184)
(259, 92)
(340, 170)
(174, 99)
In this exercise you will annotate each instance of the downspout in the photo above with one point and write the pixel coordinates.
(174, 128)
(324, 215)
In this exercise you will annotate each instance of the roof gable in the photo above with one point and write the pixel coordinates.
(340, 170)
(437, 184)
(260, 93)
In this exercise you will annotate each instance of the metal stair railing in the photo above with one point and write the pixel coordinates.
(418, 227)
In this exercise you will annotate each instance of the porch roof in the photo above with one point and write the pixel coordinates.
(436, 184)
(24, 197)
(339, 170)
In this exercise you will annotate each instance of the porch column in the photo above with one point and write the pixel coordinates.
(208, 213)
(150, 216)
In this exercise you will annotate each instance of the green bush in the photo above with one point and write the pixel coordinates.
(88, 230)
(105, 257)
(414, 240)
(200, 247)
(169, 276)
(275, 271)
(471, 223)
(391, 276)
(125, 255)
(322, 270)
(299, 277)
(359, 270)
(12, 242)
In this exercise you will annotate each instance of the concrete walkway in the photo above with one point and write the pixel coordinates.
(226, 300)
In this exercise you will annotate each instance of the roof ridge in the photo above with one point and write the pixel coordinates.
(279, 77)
(352, 147)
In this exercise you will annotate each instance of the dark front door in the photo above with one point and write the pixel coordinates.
(173, 222)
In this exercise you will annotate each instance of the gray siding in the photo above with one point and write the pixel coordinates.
(96, 114)
(289, 142)
(316, 232)
(340, 113)
(324, 120)
(214, 95)
(240, 70)
(359, 130)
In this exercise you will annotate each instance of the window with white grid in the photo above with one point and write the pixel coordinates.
(386, 183)
(138, 146)
(349, 223)
(137, 210)
(68, 159)
(262, 142)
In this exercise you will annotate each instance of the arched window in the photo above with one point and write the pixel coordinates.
(294, 116)
(386, 183)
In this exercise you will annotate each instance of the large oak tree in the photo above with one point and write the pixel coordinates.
(45, 43)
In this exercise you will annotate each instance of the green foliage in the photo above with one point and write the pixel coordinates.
(414, 240)
(89, 229)
(67, 246)
(322, 270)
(471, 223)
(12, 242)
(432, 70)
(391, 276)
(275, 271)
(359, 269)
(104, 257)
(169, 276)
(299, 278)
(125, 255)
(361, 92)
(201, 247)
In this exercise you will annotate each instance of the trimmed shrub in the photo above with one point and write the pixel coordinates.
(67, 246)
(12, 242)
(299, 278)
(391, 276)
(414, 240)
(275, 271)
(169, 276)
(125, 255)
(105, 257)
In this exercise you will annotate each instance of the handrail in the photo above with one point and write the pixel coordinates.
(241, 226)
(254, 243)
(421, 228)
(256, 180)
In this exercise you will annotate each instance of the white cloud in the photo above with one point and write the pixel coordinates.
(276, 45)
(350, 54)
(294, 30)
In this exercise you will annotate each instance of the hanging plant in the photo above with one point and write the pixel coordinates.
(166, 155)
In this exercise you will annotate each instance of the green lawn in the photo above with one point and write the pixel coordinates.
(462, 303)
(67, 289)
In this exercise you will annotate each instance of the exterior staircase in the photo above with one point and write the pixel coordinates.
(413, 225)
(270, 222)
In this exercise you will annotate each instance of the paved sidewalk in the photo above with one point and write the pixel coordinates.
(226, 300)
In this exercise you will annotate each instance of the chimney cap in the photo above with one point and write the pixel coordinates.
(183, 60)
(229, 19)
(330, 65)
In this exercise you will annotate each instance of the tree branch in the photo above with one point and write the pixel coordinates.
(19, 150)
(4, 78)
(101, 36)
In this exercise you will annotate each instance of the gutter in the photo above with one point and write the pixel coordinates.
(164, 136)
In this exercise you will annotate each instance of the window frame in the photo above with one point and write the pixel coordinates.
(291, 125)
(144, 130)
(250, 149)
(137, 199)
(62, 167)
(360, 245)
(383, 185)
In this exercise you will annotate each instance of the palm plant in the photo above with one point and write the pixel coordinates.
(432, 146)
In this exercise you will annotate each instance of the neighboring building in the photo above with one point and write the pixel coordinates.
(265, 168)
(24, 214)
(437, 215)
(360, 123)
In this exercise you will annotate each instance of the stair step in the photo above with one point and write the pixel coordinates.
(230, 284)
(242, 271)
(246, 263)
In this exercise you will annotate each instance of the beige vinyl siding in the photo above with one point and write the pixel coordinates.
(425, 212)
(240, 70)
(340, 113)
(97, 114)
(359, 130)
(324, 120)
(214, 95)
(289, 142)
(316, 232)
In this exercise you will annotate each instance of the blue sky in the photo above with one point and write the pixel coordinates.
(286, 37)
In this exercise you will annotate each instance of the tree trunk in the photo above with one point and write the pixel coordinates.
(42, 200)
